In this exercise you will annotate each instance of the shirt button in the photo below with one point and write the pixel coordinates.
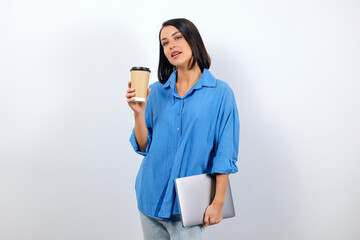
(178, 129)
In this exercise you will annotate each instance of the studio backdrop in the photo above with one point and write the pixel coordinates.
(67, 169)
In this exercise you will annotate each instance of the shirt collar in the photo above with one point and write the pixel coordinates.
(206, 80)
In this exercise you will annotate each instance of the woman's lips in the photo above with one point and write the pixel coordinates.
(175, 55)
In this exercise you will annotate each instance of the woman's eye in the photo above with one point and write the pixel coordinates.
(178, 37)
(164, 44)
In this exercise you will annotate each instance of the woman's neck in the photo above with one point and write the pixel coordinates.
(188, 77)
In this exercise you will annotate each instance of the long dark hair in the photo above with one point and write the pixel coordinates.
(193, 38)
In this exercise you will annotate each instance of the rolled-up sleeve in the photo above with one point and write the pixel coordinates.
(148, 122)
(227, 137)
(136, 146)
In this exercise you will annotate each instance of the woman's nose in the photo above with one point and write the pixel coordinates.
(172, 45)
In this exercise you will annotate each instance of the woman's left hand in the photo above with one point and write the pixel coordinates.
(213, 214)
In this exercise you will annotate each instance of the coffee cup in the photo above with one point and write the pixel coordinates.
(140, 82)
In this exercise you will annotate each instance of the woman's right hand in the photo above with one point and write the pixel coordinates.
(137, 107)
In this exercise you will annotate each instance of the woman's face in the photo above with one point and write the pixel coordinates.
(176, 48)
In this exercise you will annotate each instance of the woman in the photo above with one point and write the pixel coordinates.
(189, 125)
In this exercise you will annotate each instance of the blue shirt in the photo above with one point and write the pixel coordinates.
(195, 134)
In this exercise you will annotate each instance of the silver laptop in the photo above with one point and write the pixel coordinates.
(195, 194)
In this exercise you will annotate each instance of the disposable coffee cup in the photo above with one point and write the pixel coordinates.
(140, 82)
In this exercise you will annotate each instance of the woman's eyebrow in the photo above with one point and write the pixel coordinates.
(171, 35)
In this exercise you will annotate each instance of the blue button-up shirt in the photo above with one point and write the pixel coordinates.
(195, 134)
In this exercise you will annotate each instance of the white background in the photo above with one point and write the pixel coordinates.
(67, 169)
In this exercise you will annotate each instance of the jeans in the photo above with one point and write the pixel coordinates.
(172, 229)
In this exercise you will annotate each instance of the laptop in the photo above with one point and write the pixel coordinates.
(195, 194)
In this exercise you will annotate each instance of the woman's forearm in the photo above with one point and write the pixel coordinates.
(141, 132)
(221, 186)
